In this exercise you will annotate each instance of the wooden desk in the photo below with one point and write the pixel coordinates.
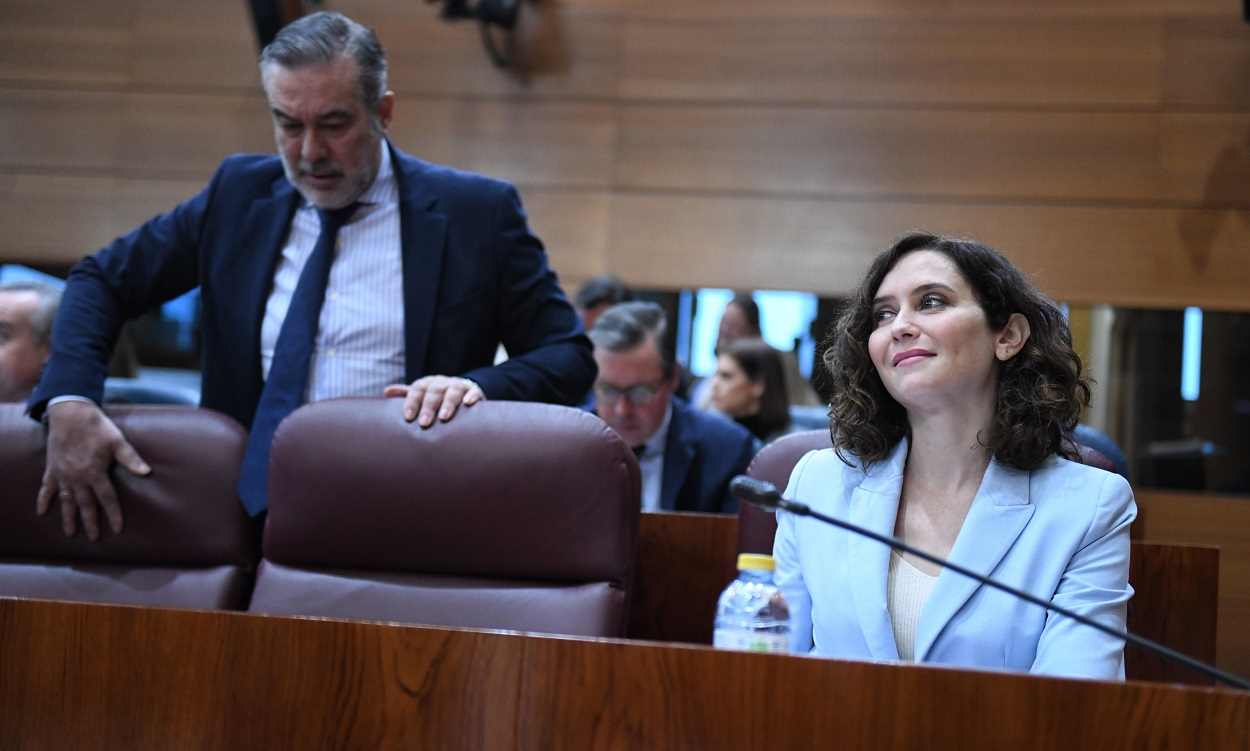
(116, 677)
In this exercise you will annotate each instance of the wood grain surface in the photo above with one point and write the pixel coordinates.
(751, 145)
(105, 677)
(1215, 521)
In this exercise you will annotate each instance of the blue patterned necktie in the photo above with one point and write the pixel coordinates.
(292, 357)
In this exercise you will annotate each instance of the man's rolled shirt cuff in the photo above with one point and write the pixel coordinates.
(42, 416)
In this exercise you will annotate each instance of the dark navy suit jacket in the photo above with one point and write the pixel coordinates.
(474, 277)
(704, 451)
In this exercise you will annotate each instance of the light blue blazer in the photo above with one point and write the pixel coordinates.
(1060, 532)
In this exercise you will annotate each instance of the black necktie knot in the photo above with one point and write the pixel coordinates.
(640, 450)
(332, 220)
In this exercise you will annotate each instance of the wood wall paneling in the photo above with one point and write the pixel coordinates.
(1082, 255)
(944, 59)
(1207, 62)
(573, 226)
(34, 211)
(544, 143)
(195, 46)
(939, 154)
(132, 134)
(136, 42)
(808, 9)
(528, 143)
(744, 144)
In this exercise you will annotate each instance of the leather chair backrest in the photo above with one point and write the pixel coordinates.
(774, 463)
(512, 515)
(186, 540)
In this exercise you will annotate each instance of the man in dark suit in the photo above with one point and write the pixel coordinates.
(341, 267)
(687, 456)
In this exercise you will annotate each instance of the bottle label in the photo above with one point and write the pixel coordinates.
(750, 641)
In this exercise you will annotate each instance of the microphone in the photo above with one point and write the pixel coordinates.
(765, 495)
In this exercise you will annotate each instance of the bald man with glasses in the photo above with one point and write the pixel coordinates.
(687, 456)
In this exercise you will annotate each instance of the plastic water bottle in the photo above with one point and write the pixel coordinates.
(751, 613)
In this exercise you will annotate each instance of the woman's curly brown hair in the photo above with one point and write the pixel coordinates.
(1040, 391)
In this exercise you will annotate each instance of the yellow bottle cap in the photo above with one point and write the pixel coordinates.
(755, 562)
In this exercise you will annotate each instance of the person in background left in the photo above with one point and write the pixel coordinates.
(416, 273)
(687, 457)
(597, 295)
(750, 386)
(26, 313)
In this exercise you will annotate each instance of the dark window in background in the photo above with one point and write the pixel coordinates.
(1187, 436)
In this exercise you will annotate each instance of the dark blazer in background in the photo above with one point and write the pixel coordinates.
(704, 451)
(474, 277)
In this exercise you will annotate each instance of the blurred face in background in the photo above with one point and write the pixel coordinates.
(733, 393)
(632, 392)
(734, 325)
(591, 314)
(21, 357)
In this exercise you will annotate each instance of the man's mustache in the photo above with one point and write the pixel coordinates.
(320, 169)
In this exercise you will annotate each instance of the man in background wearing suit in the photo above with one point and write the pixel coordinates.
(341, 267)
(687, 456)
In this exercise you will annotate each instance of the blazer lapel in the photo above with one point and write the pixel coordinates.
(874, 505)
(678, 458)
(264, 230)
(998, 515)
(423, 232)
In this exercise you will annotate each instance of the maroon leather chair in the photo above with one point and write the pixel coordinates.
(512, 515)
(186, 541)
(775, 462)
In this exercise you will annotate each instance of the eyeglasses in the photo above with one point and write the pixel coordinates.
(639, 395)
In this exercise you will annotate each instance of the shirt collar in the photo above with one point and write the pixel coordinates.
(382, 190)
(656, 444)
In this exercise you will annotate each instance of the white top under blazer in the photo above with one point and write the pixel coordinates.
(1060, 532)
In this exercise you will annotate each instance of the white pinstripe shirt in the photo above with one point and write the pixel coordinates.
(360, 335)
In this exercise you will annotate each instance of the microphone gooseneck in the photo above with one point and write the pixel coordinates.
(765, 495)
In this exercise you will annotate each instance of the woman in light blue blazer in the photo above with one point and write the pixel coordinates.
(955, 388)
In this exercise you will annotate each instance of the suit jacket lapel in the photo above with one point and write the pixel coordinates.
(678, 458)
(423, 233)
(874, 505)
(264, 230)
(998, 515)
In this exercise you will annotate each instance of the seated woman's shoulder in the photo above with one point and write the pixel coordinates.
(1075, 482)
(823, 466)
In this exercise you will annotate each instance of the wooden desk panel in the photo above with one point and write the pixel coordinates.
(684, 561)
(1217, 521)
(103, 677)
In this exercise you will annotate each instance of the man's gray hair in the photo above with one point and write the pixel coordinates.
(623, 327)
(324, 37)
(49, 300)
